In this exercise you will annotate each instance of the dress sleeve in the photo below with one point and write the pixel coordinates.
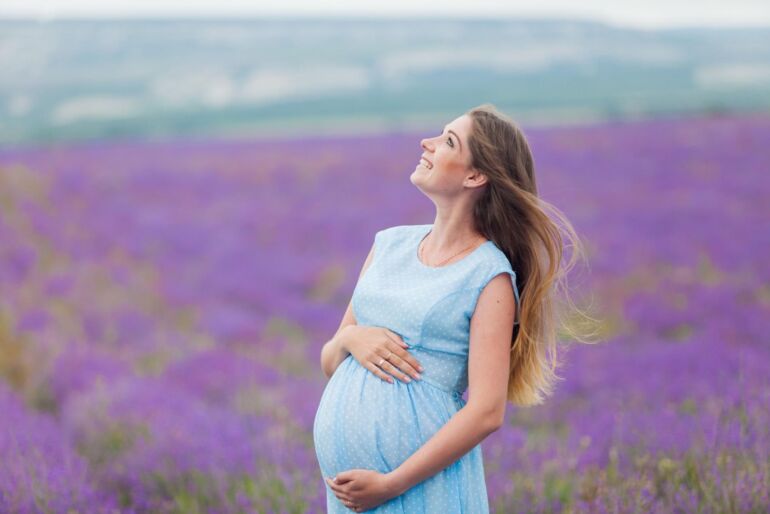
(377, 244)
(380, 240)
(496, 269)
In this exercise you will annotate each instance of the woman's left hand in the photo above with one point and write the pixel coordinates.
(361, 489)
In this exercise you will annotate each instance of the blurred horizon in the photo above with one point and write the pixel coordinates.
(75, 80)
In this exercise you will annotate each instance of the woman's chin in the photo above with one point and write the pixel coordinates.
(419, 178)
(420, 171)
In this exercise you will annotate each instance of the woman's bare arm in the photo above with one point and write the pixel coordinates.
(334, 352)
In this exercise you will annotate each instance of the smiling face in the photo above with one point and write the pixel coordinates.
(444, 165)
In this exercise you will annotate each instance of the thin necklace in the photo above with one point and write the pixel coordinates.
(445, 260)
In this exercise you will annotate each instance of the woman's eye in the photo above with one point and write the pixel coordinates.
(449, 141)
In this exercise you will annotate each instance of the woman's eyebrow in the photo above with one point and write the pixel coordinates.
(456, 137)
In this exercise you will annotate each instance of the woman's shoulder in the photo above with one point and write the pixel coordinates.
(495, 257)
(493, 262)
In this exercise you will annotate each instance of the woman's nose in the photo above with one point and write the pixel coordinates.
(424, 143)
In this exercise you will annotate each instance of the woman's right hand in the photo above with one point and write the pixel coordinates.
(370, 345)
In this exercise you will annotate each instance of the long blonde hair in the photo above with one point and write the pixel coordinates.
(522, 225)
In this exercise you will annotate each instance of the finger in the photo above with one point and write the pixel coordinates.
(395, 338)
(339, 493)
(401, 359)
(392, 362)
(344, 497)
(410, 365)
(336, 487)
(390, 368)
(343, 477)
(414, 365)
(377, 371)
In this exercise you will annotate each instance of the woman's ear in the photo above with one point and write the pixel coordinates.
(476, 178)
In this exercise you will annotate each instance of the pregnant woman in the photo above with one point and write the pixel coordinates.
(437, 310)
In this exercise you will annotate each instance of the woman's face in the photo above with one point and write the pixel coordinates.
(444, 163)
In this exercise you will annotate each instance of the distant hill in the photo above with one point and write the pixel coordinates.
(71, 80)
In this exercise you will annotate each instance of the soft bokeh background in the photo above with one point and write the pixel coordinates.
(186, 202)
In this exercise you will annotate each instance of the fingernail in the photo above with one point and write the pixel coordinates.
(421, 368)
(417, 376)
(408, 379)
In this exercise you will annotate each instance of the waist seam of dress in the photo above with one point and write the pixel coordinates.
(431, 383)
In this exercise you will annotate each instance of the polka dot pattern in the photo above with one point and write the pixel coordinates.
(367, 423)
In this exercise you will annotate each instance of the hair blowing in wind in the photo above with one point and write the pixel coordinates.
(532, 234)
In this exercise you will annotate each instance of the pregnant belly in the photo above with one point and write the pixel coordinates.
(364, 422)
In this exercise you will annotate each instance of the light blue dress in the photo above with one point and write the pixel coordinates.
(364, 422)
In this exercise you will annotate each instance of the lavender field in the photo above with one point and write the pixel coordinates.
(163, 307)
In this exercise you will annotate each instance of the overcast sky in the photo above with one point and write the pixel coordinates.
(647, 14)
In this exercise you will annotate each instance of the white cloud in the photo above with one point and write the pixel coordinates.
(266, 85)
(262, 85)
(733, 75)
(19, 105)
(95, 107)
(180, 88)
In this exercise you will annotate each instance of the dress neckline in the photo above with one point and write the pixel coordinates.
(423, 233)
